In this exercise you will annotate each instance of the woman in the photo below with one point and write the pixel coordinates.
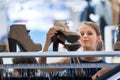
(90, 37)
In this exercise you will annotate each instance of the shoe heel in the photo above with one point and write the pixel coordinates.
(54, 38)
(21, 47)
(12, 45)
(55, 46)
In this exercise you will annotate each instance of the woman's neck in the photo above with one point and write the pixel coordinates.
(90, 59)
(89, 49)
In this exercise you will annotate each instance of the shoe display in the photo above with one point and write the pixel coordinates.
(116, 46)
(18, 35)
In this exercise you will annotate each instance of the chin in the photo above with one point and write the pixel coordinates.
(85, 46)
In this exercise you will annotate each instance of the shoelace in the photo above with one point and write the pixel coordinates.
(28, 31)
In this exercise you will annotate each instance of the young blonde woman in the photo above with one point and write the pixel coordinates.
(89, 37)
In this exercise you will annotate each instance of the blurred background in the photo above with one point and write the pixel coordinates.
(39, 15)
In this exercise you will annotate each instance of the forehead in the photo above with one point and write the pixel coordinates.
(85, 27)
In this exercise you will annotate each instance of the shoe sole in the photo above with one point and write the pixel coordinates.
(69, 38)
(72, 38)
(73, 47)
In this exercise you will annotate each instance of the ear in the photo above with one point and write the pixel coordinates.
(99, 38)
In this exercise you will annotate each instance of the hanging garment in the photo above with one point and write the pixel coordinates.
(85, 15)
(91, 71)
(103, 23)
(103, 9)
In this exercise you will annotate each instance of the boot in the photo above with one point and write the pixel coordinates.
(2, 48)
(117, 44)
(62, 24)
(63, 29)
(19, 35)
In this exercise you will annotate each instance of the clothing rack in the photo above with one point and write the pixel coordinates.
(61, 54)
(58, 66)
(61, 75)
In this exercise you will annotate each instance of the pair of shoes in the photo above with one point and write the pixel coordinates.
(19, 35)
(116, 46)
(2, 47)
(65, 34)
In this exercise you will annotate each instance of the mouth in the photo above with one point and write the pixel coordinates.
(85, 41)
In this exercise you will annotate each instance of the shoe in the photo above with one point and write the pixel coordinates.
(63, 29)
(62, 24)
(116, 46)
(73, 46)
(70, 36)
(19, 35)
(2, 47)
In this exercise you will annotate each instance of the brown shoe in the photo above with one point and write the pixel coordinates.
(63, 29)
(62, 24)
(19, 35)
(116, 46)
(2, 47)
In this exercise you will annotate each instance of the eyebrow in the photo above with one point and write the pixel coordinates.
(87, 31)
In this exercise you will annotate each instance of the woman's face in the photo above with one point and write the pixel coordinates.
(89, 37)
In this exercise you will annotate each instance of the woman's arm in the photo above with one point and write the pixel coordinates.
(63, 60)
(42, 60)
(100, 72)
(50, 34)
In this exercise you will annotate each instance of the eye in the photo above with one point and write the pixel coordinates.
(89, 33)
(82, 34)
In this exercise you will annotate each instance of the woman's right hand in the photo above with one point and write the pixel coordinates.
(52, 31)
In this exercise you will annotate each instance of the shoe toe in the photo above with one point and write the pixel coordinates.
(116, 46)
(37, 47)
